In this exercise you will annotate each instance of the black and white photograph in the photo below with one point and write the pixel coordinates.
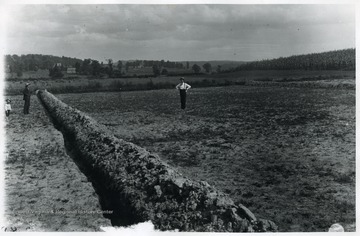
(179, 117)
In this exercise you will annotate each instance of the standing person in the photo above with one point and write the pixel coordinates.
(26, 98)
(183, 88)
(7, 107)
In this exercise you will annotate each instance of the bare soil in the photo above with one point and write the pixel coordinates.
(45, 191)
(288, 154)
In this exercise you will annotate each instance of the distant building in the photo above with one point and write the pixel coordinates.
(71, 70)
(104, 65)
(57, 64)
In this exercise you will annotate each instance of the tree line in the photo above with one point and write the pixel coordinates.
(33, 62)
(151, 63)
(56, 65)
(332, 60)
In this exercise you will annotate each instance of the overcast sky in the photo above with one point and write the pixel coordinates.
(179, 32)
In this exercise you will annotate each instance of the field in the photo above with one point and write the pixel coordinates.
(288, 154)
(83, 84)
(43, 185)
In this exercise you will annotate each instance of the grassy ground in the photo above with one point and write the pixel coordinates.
(83, 84)
(288, 154)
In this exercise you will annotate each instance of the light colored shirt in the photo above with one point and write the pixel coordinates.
(7, 107)
(183, 86)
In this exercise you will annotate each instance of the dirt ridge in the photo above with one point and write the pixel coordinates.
(138, 186)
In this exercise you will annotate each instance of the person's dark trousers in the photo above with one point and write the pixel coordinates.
(183, 98)
(7, 112)
(26, 106)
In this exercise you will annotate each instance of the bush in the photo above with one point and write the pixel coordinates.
(56, 72)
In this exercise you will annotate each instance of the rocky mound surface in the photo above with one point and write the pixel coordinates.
(137, 186)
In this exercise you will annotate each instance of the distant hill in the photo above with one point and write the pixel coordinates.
(332, 60)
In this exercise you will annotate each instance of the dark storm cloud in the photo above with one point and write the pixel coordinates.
(180, 32)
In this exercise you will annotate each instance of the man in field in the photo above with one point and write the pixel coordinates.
(27, 94)
(183, 88)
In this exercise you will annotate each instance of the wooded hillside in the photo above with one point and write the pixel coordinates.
(332, 60)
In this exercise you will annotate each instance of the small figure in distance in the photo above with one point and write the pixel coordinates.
(183, 88)
(7, 108)
(27, 94)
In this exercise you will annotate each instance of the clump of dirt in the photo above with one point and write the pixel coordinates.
(138, 186)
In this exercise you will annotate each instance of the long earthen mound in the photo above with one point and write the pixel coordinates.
(137, 186)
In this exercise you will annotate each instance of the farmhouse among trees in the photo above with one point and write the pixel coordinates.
(71, 70)
(16, 65)
(33, 62)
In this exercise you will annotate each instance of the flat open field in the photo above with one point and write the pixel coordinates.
(83, 84)
(288, 154)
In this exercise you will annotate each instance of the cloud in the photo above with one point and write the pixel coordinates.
(181, 31)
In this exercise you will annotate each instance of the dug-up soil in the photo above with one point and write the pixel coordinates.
(288, 154)
(137, 186)
(44, 189)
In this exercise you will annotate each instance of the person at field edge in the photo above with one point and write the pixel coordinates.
(183, 88)
(27, 94)
(7, 107)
